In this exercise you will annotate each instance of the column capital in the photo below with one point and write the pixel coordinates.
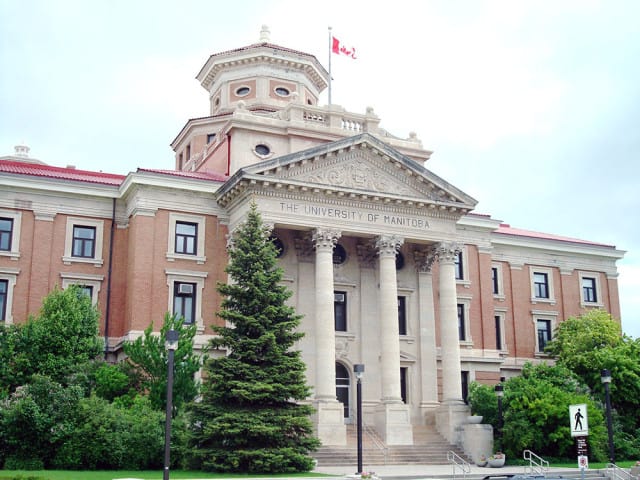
(325, 238)
(447, 251)
(388, 245)
(424, 258)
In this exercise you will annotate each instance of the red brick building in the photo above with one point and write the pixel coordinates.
(387, 262)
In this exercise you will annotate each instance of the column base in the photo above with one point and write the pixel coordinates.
(450, 417)
(329, 422)
(477, 441)
(393, 423)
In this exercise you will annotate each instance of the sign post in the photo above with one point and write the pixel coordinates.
(579, 424)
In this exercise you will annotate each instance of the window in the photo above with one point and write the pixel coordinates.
(186, 238)
(464, 380)
(402, 315)
(184, 301)
(541, 285)
(84, 241)
(243, 91)
(498, 325)
(211, 137)
(589, 294)
(88, 283)
(494, 280)
(283, 92)
(86, 290)
(4, 294)
(544, 333)
(340, 311)
(262, 150)
(6, 234)
(10, 233)
(459, 266)
(185, 294)
(462, 333)
(403, 384)
(8, 278)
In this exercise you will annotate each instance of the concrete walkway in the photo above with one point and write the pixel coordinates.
(425, 471)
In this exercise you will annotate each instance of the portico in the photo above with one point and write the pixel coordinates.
(388, 242)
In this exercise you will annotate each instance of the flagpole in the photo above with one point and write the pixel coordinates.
(329, 66)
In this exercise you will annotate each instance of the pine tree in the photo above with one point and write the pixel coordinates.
(250, 418)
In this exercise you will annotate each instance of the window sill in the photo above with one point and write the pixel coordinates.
(179, 256)
(591, 305)
(550, 301)
(96, 262)
(11, 255)
(407, 338)
(464, 283)
(499, 297)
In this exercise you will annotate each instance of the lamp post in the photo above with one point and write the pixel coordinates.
(358, 369)
(499, 389)
(605, 377)
(171, 344)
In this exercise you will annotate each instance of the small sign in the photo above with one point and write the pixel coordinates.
(583, 462)
(578, 420)
(582, 446)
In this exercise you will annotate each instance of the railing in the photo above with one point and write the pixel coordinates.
(373, 437)
(614, 472)
(537, 465)
(458, 463)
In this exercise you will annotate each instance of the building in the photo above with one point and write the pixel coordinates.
(387, 262)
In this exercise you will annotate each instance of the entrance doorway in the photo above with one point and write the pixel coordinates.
(343, 383)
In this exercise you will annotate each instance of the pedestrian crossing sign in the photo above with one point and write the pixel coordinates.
(578, 420)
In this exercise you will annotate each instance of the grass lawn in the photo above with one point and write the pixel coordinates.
(137, 474)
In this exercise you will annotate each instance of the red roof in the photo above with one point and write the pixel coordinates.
(216, 177)
(60, 173)
(506, 229)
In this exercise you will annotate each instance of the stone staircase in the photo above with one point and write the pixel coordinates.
(429, 448)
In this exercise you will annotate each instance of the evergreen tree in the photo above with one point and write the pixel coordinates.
(250, 419)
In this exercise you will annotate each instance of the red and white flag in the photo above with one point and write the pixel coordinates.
(340, 49)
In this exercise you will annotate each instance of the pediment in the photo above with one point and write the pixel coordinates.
(361, 166)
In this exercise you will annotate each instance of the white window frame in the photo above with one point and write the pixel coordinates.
(72, 222)
(500, 294)
(200, 221)
(14, 253)
(187, 276)
(596, 277)
(543, 315)
(11, 275)
(466, 306)
(501, 314)
(552, 299)
(82, 279)
(465, 268)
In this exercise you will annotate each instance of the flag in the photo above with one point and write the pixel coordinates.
(340, 48)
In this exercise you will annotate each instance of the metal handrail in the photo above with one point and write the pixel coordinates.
(615, 472)
(537, 465)
(457, 461)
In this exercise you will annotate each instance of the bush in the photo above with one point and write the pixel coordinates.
(17, 463)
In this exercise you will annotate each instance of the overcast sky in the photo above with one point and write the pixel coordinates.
(531, 107)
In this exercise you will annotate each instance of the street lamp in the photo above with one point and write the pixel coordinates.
(499, 389)
(171, 344)
(358, 369)
(605, 377)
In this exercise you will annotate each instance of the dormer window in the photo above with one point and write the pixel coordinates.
(243, 91)
(283, 92)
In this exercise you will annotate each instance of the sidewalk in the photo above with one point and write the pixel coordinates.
(425, 471)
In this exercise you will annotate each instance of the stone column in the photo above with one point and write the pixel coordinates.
(392, 416)
(329, 412)
(449, 334)
(424, 259)
(453, 411)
